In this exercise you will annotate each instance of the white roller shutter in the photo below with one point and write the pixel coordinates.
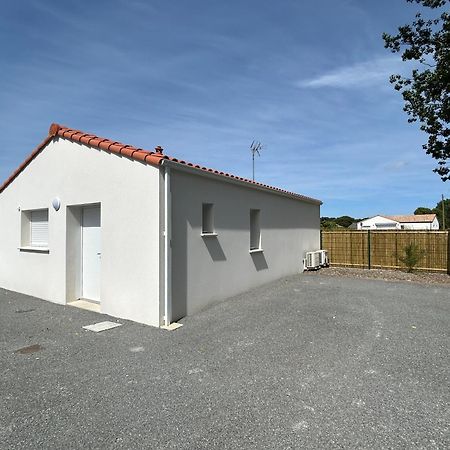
(39, 228)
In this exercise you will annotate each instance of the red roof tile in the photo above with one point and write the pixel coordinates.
(152, 157)
(413, 218)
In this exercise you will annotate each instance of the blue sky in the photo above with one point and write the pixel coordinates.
(203, 79)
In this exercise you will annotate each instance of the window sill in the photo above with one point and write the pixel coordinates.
(208, 234)
(34, 249)
(256, 250)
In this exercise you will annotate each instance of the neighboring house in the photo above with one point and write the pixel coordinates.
(148, 237)
(409, 222)
(417, 222)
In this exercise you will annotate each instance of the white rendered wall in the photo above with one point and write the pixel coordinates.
(128, 192)
(209, 269)
(421, 225)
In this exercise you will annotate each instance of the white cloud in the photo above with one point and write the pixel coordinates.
(360, 74)
(396, 165)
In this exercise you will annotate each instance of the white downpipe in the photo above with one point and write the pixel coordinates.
(167, 248)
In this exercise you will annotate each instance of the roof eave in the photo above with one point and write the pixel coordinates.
(27, 161)
(222, 176)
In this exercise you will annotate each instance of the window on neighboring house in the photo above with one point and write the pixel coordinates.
(208, 219)
(255, 229)
(35, 228)
(385, 225)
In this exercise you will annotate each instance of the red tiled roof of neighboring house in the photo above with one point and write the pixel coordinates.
(413, 218)
(153, 157)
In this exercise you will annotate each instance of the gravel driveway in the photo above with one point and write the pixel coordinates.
(305, 362)
(420, 277)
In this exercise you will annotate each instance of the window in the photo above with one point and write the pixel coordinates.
(208, 219)
(35, 228)
(255, 230)
(385, 225)
(39, 228)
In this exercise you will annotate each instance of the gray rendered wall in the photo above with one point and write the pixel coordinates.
(209, 269)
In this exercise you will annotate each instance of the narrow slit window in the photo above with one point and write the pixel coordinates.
(208, 218)
(255, 229)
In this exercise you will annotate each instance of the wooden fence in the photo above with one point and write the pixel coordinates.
(381, 249)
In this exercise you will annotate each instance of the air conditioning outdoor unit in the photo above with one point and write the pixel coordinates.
(312, 261)
(323, 258)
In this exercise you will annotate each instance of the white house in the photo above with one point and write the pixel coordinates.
(409, 222)
(417, 221)
(141, 235)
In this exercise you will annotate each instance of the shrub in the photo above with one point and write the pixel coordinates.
(412, 254)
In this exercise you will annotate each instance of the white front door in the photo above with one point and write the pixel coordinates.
(91, 252)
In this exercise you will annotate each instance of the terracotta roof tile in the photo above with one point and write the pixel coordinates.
(154, 157)
(413, 218)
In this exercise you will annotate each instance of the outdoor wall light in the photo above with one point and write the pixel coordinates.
(56, 203)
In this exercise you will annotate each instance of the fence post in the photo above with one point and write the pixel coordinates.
(368, 249)
(448, 252)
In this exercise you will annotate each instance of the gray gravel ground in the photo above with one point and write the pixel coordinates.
(420, 277)
(305, 362)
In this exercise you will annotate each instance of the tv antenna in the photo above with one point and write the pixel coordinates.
(255, 148)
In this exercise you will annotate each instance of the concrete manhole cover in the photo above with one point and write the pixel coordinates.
(102, 326)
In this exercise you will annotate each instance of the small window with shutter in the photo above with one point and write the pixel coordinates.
(39, 228)
(34, 230)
